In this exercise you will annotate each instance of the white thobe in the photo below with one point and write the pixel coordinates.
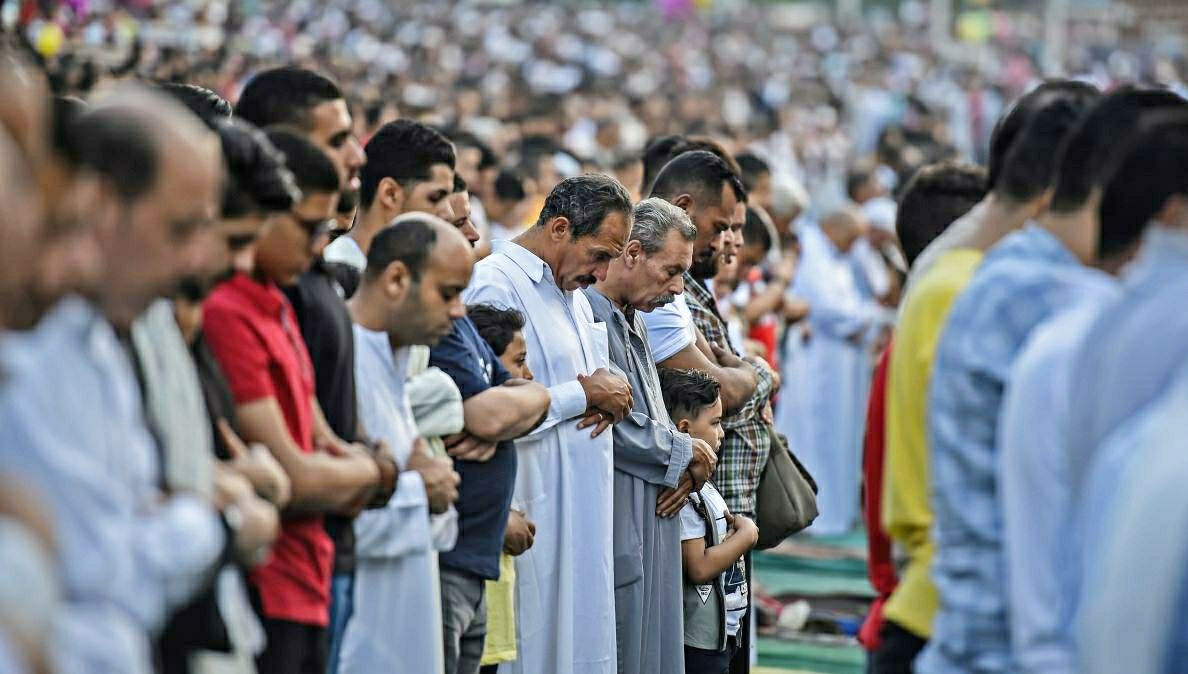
(396, 623)
(822, 405)
(565, 583)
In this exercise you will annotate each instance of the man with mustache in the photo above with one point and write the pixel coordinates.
(564, 478)
(650, 455)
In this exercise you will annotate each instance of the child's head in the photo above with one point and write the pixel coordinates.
(503, 329)
(693, 401)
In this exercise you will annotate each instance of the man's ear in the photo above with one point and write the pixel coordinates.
(390, 195)
(558, 229)
(632, 254)
(396, 280)
(683, 425)
(1174, 212)
(685, 203)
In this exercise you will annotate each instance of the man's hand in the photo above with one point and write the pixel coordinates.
(389, 475)
(520, 536)
(758, 363)
(597, 418)
(726, 357)
(258, 465)
(607, 392)
(795, 310)
(703, 463)
(466, 447)
(766, 415)
(671, 500)
(437, 472)
(785, 269)
(258, 529)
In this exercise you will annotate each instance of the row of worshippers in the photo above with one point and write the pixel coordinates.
(1019, 462)
(257, 450)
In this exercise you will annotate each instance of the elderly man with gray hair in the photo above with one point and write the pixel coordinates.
(656, 465)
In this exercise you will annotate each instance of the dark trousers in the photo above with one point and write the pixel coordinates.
(897, 652)
(699, 661)
(293, 648)
(741, 662)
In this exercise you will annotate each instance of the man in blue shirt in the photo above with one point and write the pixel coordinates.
(1017, 286)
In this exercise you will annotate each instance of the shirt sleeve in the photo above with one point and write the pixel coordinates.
(240, 353)
(452, 357)
(692, 526)
(669, 329)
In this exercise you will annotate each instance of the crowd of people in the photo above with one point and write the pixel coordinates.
(304, 379)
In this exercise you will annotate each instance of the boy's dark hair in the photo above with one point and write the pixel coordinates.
(932, 200)
(313, 169)
(285, 96)
(404, 151)
(497, 326)
(1089, 148)
(1030, 166)
(752, 169)
(1150, 169)
(687, 392)
(700, 174)
(1010, 125)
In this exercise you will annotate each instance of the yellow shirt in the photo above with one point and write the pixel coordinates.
(907, 512)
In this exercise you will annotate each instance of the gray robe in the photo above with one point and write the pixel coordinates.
(650, 454)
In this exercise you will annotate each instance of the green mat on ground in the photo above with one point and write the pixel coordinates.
(780, 575)
(810, 657)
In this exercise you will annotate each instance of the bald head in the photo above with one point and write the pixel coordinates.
(844, 227)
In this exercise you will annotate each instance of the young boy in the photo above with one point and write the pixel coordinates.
(503, 330)
(713, 541)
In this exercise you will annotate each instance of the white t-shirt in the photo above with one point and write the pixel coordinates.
(734, 579)
(670, 329)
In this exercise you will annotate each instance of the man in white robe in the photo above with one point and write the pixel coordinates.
(565, 583)
(827, 374)
(410, 294)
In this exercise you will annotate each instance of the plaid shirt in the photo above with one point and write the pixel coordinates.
(748, 438)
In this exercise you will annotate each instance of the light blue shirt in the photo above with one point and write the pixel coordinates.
(74, 428)
(1136, 595)
(1021, 282)
(1033, 474)
(1134, 346)
(670, 329)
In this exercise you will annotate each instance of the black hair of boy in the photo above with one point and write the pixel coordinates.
(687, 393)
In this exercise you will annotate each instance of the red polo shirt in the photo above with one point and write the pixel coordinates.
(251, 330)
(880, 566)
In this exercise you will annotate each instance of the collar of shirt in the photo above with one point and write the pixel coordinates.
(1162, 246)
(266, 297)
(1036, 242)
(532, 265)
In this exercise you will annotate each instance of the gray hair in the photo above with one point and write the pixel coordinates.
(585, 201)
(654, 219)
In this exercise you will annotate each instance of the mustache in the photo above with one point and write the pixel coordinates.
(662, 300)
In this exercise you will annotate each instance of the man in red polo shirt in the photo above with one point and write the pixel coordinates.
(251, 329)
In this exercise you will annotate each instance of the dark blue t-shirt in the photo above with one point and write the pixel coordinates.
(484, 496)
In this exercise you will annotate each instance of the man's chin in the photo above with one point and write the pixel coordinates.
(347, 201)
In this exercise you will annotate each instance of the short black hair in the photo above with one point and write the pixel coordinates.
(311, 167)
(855, 179)
(1030, 166)
(755, 232)
(699, 173)
(112, 143)
(752, 169)
(210, 107)
(586, 201)
(459, 183)
(285, 96)
(497, 326)
(656, 153)
(257, 180)
(687, 393)
(403, 150)
(509, 186)
(65, 111)
(1011, 124)
(935, 197)
(1087, 150)
(410, 240)
(467, 139)
(1151, 168)
(706, 144)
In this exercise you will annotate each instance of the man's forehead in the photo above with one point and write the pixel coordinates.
(330, 118)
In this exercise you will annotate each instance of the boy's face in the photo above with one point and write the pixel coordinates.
(706, 426)
(515, 357)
